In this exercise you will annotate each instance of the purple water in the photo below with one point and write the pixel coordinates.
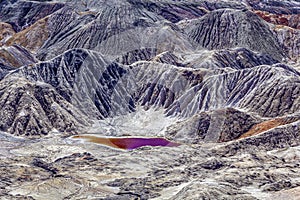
(128, 143)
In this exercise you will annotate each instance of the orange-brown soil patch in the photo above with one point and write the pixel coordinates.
(278, 19)
(6, 30)
(266, 125)
(33, 37)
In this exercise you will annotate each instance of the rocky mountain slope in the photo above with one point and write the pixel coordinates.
(219, 77)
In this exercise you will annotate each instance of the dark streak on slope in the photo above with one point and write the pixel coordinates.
(225, 59)
(201, 127)
(108, 81)
(91, 30)
(34, 109)
(54, 74)
(277, 7)
(16, 56)
(234, 28)
(24, 13)
(137, 55)
(173, 12)
(268, 91)
(4, 70)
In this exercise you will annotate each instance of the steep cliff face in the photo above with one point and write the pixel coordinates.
(4, 70)
(103, 88)
(35, 109)
(32, 38)
(228, 59)
(227, 28)
(243, 89)
(276, 7)
(21, 14)
(221, 78)
(112, 30)
(16, 56)
(285, 17)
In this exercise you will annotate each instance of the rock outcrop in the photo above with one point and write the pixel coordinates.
(101, 88)
(16, 56)
(35, 109)
(21, 14)
(227, 28)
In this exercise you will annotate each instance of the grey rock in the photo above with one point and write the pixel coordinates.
(15, 56)
(236, 58)
(87, 80)
(289, 39)
(21, 14)
(212, 164)
(4, 70)
(171, 11)
(137, 55)
(280, 137)
(213, 126)
(207, 190)
(277, 7)
(236, 92)
(217, 30)
(34, 109)
(112, 31)
(162, 85)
